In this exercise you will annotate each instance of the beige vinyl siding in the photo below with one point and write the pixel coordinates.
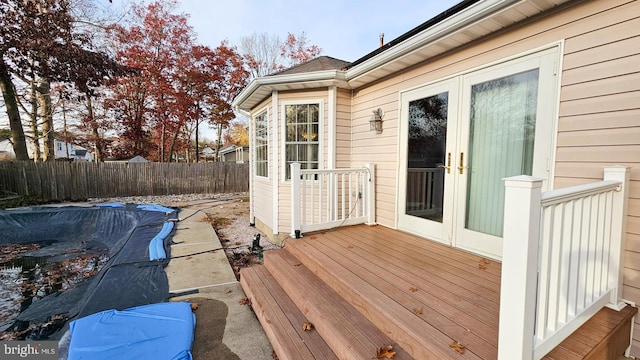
(343, 129)
(284, 193)
(262, 192)
(599, 112)
(599, 121)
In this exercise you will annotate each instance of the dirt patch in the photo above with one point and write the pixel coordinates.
(230, 220)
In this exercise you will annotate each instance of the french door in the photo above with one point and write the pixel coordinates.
(461, 136)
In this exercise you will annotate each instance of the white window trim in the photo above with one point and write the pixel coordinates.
(283, 137)
(254, 147)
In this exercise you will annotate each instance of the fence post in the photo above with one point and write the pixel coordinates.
(618, 232)
(295, 200)
(518, 293)
(371, 194)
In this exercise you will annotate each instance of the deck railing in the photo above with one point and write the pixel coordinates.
(323, 199)
(424, 189)
(561, 260)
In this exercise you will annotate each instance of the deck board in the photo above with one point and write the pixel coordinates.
(420, 293)
(458, 317)
(314, 342)
(346, 330)
(282, 335)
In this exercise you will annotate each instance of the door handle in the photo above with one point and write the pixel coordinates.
(448, 166)
(461, 166)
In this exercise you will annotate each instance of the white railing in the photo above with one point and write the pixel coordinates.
(323, 199)
(561, 260)
(424, 189)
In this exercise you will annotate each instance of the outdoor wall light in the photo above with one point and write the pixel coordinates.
(375, 122)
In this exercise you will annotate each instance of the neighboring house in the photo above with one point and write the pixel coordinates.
(486, 90)
(134, 160)
(61, 149)
(234, 153)
(208, 154)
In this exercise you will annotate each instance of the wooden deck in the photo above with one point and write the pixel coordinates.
(365, 287)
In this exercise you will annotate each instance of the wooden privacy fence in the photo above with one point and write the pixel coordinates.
(83, 180)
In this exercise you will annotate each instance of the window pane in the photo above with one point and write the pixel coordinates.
(302, 135)
(260, 144)
(501, 139)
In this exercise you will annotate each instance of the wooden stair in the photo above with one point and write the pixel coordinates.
(359, 303)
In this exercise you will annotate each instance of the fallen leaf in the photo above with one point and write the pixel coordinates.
(350, 246)
(228, 291)
(238, 242)
(194, 306)
(189, 258)
(486, 261)
(413, 289)
(274, 355)
(307, 326)
(459, 348)
(482, 266)
(245, 301)
(298, 264)
(385, 352)
(313, 238)
(418, 311)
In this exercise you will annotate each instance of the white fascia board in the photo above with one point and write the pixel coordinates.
(283, 82)
(474, 13)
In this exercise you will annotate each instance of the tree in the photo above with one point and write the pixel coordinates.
(266, 54)
(177, 82)
(296, 51)
(237, 134)
(39, 44)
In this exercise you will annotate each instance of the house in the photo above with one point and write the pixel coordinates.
(418, 136)
(61, 149)
(138, 159)
(234, 153)
(208, 154)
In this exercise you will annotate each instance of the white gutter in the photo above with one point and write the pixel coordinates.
(280, 82)
(466, 17)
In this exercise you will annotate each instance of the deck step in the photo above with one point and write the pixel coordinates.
(396, 310)
(349, 334)
(605, 336)
(281, 319)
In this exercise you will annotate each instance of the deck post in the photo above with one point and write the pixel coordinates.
(371, 194)
(522, 211)
(295, 200)
(618, 232)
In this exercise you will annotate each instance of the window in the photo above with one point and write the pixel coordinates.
(59, 146)
(261, 138)
(302, 139)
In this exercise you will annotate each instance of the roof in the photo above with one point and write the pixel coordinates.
(425, 25)
(320, 63)
(461, 24)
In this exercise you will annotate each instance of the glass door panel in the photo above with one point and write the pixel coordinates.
(426, 157)
(427, 142)
(501, 144)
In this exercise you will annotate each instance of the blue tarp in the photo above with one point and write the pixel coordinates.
(154, 207)
(156, 246)
(156, 331)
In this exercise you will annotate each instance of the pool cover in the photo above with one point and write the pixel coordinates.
(156, 331)
(121, 234)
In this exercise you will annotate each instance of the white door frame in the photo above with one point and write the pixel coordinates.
(452, 230)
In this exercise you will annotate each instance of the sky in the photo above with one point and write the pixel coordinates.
(343, 29)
